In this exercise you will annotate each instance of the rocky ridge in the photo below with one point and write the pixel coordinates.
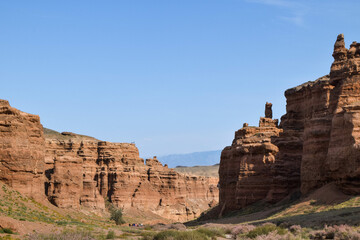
(83, 172)
(21, 151)
(317, 141)
(80, 172)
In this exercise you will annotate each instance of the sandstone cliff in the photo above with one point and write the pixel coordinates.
(21, 151)
(75, 171)
(83, 172)
(318, 142)
(245, 166)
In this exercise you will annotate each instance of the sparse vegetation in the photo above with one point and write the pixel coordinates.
(293, 220)
(117, 216)
(265, 230)
(110, 235)
(65, 235)
(6, 230)
(180, 235)
(49, 133)
(197, 234)
(211, 232)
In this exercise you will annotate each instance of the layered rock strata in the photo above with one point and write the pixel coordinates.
(318, 142)
(337, 156)
(245, 167)
(76, 171)
(86, 172)
(321, 124)
(21, 151)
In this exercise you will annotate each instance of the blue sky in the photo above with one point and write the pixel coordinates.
(174, 76)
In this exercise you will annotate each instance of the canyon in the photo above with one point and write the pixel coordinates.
(316, 143)
(78, 172)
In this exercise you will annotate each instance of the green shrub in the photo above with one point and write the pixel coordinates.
(265, 230)
(110, 235)
(6, 230)
(117, 216)
(116, 213)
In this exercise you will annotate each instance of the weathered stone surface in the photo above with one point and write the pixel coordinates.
(268, 110)
(21, 151)
(245, 166)
(305, 121)
(80, 171)
(71, 172)
(114, 171)
(319, 142)
(324, 115)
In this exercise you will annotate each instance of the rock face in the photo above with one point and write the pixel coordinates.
(337, 157)
(70, 172)
(319, 141)
(76, 171)
(245, 166)
(322, 124)
(21, 151)
(85, 172)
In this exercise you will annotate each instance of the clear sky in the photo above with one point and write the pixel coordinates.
(173, 76)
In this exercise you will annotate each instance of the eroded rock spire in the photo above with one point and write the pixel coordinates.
(268, 110)
(340, 51)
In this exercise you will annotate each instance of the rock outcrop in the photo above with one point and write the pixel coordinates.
(319, 140)
(21, 151)
(85, 172)
(70, 172)
(337, 154)
(245, 166)
(76, 171)
(321, 124)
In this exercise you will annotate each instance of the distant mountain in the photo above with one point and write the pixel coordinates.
(206, 171)
(191, 159)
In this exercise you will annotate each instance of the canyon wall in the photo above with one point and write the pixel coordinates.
(317, 141)
(82, 172)
(245, 166)
(21, 151)
(325, 114)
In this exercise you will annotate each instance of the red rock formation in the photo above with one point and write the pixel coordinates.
(296, 142)
(245, 166)
(321, 120)
(21, 151)
(319, 142)
(342, 163)
(71, 170)
(114, 171)
(181, 197)
(81, 171)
